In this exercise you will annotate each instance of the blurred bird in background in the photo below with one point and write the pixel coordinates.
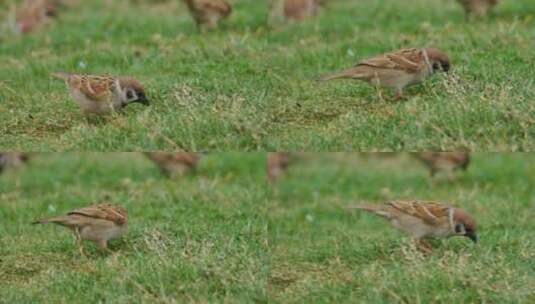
(276, 164)
(292, 10)
(444, 161)
(477, 8)
(208, 13)
(33, 14)
(12, 160)
(175, 164)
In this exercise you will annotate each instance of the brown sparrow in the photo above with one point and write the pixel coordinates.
(12, 160)
(477, 8)
(295, 10)
(423, 220)
(444, 161)
(396, 70)
(34, 13)
(103, 94)
(95, 223)
(277, 163)
(208, 13)
(174, 164)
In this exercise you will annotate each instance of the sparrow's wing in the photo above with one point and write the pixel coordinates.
(108, 212)
(430, 212)
(220, 6)
(97, 88)
(408, 60)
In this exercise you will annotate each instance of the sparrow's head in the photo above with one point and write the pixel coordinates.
(465, 225)
(133, 90)
(438, 60)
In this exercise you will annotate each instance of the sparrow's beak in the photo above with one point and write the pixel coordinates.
(472, 236)
(143, 100)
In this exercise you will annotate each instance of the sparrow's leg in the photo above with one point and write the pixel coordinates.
(399, 94)
(79, 241)
(424, 246)
(103, 246)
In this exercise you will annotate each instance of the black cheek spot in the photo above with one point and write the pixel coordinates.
(129, 94)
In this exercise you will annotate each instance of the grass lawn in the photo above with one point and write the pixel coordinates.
(200, 239)
(247, 87)
(322, 253)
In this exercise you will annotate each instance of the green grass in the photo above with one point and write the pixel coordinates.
(323, 253)
(247, 87)
(222, 236)
(200, 239)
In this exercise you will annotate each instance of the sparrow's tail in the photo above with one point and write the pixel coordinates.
(55, 220)
(61, 75)
(375, 209)
(368, 208)
(349, 73)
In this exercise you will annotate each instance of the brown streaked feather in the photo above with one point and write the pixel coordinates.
(116, 214)
(429, 212)
(405, 60)
(97, 88)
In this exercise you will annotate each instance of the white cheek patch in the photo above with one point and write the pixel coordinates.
(450, 218)
(427, 62)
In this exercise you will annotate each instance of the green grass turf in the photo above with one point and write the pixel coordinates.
(199, 239)
(248, 87)
(322, 253)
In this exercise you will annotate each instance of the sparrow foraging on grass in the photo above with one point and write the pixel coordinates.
(444, 161)
(422, 220)
(208, 13)
(477, 8)
(174, 164)
(294, 10)
(34, 13)
(12, 160)
(396, 70)
(96, 223)
(103, 94)
(277, 163)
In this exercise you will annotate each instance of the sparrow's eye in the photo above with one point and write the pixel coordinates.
(129, 94)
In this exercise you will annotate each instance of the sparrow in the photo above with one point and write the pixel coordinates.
(174, 164)
(444, 161)
(98, 223)
(477, 8)
(422, 219)
(103, 94)
(208, 13)
(12, 160)
(396, 70)
(294, 10)
(276, 164)
(34, 13)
